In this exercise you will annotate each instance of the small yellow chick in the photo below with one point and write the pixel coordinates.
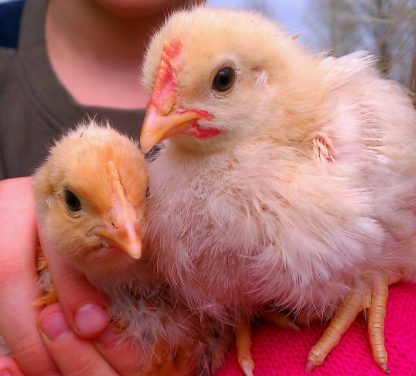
(91, 208)
(90, 197)
(287, 179)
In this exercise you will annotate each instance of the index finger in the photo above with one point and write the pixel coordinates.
(74, 355)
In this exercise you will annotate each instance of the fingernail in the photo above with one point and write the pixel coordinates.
(109, 338)
(5, 372)
(54, 325)
(90, 319)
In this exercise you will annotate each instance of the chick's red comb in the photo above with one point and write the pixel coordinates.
(164, 90)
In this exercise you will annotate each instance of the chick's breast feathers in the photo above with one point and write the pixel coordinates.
(308, 183)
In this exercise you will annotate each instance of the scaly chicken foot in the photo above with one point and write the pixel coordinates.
(342, 320)
(243, 344)
(373, 298)
(376, 316)
(243, 339)
(281, 320)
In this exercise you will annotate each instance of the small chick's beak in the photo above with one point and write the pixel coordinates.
(162, 123)
(123, 228)
(122, 240)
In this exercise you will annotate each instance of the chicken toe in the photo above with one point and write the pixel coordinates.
(342, 320)
(243, 344)
(371, 296)
(376, 316)
(281, 320)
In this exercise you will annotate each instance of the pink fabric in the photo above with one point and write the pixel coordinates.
(283, 352)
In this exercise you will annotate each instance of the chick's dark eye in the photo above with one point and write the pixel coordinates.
(224, 79)
(72, 201)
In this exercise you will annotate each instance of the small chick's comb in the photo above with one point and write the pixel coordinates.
(164, 91)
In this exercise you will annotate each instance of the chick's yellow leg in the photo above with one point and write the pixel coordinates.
(344, 317)
(373, 297)
(243, 339)
(306, 319)
(376, 316)
(281, 320)
(243, 344)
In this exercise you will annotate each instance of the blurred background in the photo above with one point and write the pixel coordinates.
(386, 28)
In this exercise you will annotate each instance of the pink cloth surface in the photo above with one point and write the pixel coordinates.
(278, 351)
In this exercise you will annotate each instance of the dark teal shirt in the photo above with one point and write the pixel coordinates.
(35, 109)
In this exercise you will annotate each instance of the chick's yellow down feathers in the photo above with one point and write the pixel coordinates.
(90, 196)
(286, 179)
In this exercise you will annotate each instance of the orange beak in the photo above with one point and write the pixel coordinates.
(122, 230)
(121, 239)
(165, 122)
(162, 119)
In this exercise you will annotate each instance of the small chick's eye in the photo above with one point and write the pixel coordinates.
(72, 201)
(224, 79)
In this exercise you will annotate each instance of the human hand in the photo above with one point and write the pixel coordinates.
(18, 279)
(74, 355)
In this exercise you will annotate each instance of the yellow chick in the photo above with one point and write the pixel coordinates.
(287, 179)
(90, 196)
